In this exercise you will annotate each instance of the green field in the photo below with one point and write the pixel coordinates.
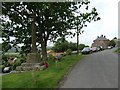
(48, 78)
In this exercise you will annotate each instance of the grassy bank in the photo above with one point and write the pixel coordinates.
(118, 50)
(48, 78)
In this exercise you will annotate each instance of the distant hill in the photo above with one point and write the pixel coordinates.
(13, 49)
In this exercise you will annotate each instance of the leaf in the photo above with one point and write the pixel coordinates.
(86, 8)
(98, 18)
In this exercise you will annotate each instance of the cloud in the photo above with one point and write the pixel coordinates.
(108, 25)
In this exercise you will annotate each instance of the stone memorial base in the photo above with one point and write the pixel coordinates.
(33, 63)
(33, 58)
(30, 66)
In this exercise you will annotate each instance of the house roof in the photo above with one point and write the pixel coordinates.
(101, 38)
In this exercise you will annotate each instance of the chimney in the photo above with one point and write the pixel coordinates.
(101, 35)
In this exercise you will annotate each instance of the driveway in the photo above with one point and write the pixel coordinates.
(98, 70)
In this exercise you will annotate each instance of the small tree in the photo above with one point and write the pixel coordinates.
(73, 46)
(81, 46)
(83, 18)
(69, 52)
(61, 45)
(112, 43)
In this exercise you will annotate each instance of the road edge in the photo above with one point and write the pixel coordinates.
(61, 82)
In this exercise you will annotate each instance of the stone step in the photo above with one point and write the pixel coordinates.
(31, 64)
(29, 68)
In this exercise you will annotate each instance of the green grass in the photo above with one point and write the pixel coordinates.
(118, 51)
(48, 78)
(0, 83)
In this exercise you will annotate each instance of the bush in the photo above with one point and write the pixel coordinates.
(51, 57)
(23, 59)
(81, 46)
(112, 43)
(2, 66)
(69, 52)
(4, 58)
(61, 45)
(118, 50)
(63, 54)
(16, 63)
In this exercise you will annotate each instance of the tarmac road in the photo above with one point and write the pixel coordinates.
(98, 70)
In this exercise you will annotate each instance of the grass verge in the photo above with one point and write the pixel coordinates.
(118, 50)
(48, 78)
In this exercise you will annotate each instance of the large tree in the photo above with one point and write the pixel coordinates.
(52, 20)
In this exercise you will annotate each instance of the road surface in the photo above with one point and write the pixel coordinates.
(98, 70)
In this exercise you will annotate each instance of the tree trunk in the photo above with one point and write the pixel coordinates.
(44, 50)
(77, 41)
(33, 49)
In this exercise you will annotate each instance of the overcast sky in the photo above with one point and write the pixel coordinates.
(108, 25)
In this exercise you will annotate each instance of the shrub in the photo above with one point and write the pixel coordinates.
(23, 59)
(61, 45)
(2, 66)
(63, 54)
(51, 57)
(81, 46)
(16, 63)
(4, 58)
(69, 52)
(118, 50)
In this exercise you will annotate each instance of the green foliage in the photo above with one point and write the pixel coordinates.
(118, 50)
(115, 38)
(23, 59)
(61, 45)
(86, 46)
(52, 19)
(112, 43)
(2, 66)
(63, 54)
(0, 47)
(16, 63)
(81, 46)
(4, 58)
(72, 46)
(69, 52)
(51, 57)
(48, 78)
